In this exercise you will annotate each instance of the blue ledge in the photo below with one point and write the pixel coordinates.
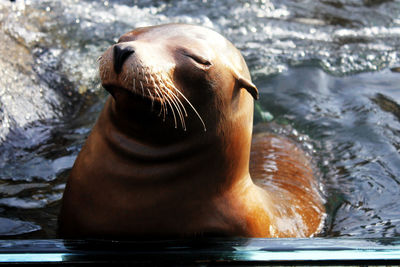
(204, 251)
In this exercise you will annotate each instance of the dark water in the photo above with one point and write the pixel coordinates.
(326, 71)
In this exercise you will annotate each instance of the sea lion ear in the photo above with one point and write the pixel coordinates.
(246, 84)
(249, 86)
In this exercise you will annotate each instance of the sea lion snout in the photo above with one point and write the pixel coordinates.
(121, 53)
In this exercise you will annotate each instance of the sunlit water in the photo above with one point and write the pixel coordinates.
(326, 71)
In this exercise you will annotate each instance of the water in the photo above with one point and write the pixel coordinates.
(326, 71)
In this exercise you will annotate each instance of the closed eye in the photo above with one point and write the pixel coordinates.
(199, 59)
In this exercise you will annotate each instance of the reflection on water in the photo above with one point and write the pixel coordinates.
(312, 61)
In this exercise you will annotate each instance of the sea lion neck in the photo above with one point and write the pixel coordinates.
(143, 135)
(183, 150)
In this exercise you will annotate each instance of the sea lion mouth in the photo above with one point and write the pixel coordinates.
(145, 94)
(170, 101)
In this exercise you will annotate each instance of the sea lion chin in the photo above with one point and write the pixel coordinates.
(170, 152)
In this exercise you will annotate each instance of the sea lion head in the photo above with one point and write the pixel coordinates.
(190, 76)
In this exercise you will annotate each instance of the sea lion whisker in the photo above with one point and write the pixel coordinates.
(177, 104)
(194, 109)
(171, 100)
(159, 81)
(190, 104)
(178, 109)
(159, 93)
(165, 110)
(177, 101)
(175, 96)
(151, 97)
(143, 74)
(173, 112)
(180, 102)
(182, 117)
(161, 99)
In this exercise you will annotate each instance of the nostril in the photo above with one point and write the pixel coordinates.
(120, 55)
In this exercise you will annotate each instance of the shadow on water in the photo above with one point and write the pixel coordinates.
(327, 71)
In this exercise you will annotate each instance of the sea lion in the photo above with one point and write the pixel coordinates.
(169, 155)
